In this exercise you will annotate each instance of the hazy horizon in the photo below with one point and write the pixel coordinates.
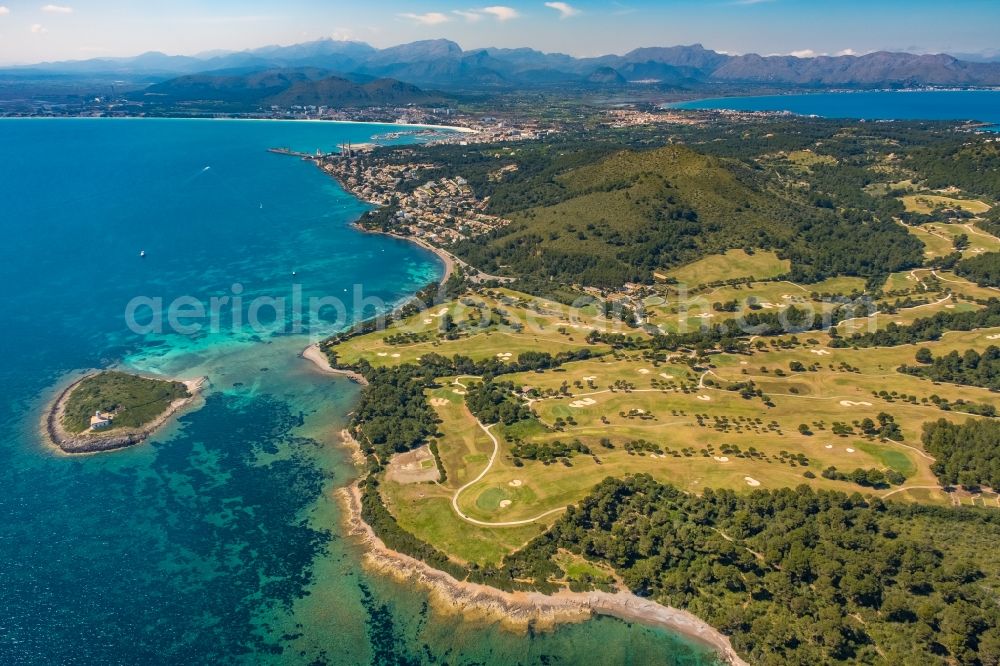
(34, 32)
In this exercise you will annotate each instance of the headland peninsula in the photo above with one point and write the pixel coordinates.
(595, 403)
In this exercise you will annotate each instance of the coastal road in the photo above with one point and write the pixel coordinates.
(493, 457)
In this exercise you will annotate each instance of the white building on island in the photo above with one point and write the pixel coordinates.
(100, 421)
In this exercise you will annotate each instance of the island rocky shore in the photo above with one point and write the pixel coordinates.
(77, 443)
(517, 611)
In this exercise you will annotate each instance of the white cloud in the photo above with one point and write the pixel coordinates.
(565, 10)
(501, 13)
(57, 9)
(4, 11)
(38, 29)
(430, 18)
(847, 52)
(804, 53)
(498, 12)
(470, 15)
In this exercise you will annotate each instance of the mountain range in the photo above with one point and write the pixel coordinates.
(444, 64)
(284, 87)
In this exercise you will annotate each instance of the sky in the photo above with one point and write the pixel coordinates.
(36, 31)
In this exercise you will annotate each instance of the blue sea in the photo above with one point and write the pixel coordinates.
(218, 540)
(978, 105)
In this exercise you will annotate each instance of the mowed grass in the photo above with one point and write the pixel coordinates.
(425, 511)
(481, 333)
(628, 396)
(905, 316)
(928, 203)
(679, 312)
(464, 448)
(935, 244)
(761, 265)
(979, 240)
(813, 398)
(843, 285)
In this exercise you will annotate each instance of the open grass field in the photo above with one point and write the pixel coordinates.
(936, 244)
(979, 240)
(679, 312)
(425, 510)
(935, 284)
(843, 285)
(683, 424)
(938, 303)
(761, 265)
(928, 203)
(526, 324)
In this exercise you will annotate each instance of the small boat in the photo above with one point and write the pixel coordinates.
(293, 273)
(142, 254)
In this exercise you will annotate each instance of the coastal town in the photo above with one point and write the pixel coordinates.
(443, 210)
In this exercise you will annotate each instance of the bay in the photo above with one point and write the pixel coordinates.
(217, 541)
(978, 105)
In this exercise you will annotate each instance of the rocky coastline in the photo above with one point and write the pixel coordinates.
(80, 443)
(521, 611)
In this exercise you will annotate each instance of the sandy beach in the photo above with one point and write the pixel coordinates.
(67, 443)
(314, 354)
(515, 611)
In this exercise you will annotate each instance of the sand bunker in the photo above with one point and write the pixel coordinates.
(751, 481)
(458, 392)
(820, 352)
(515, 483)
(583, 402)
(382, 354)
(428, 321)
(590, 378)
(704, 397)
(395, 355)
(504, 504)
(787, 297)
(643, 371)
(705, 315)
(850, 450)
(440, 313)
(950, 306)
(993, 337)
(851, 403)
(504, 356)
(829, 446)
(439, 402)
(665, 375)
(722, 458)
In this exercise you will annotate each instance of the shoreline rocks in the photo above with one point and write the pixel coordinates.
(81, 443)
(521, 611)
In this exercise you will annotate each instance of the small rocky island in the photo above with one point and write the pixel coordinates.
(112, 410)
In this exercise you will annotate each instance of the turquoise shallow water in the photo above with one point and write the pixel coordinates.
(217, 541)
(980, 105)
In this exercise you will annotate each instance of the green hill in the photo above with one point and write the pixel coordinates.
(626, 215)
(281, 87)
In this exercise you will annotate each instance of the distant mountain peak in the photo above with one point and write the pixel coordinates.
(442, 63)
